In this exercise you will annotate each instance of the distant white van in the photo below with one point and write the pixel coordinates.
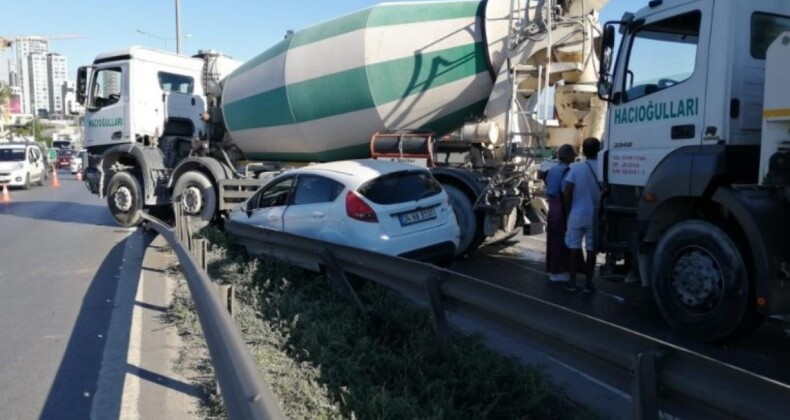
(21, 165)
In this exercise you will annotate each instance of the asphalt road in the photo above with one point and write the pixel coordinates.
(61, 258)
(519, 265)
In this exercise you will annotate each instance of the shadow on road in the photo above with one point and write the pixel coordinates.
(90, 378)
(75, 383)
(67, 212)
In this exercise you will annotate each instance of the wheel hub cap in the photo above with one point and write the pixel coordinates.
(192, 200)
(123, 199)
(697, 279)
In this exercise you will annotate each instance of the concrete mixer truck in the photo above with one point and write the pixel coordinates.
(457, 86)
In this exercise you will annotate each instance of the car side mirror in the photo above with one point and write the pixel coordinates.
(605, 78)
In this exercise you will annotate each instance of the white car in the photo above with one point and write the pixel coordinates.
(387, 207)
(21, 164)
(76, 162)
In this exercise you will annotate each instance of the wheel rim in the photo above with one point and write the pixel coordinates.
(192, 200)
(697, 279)
(123, 198)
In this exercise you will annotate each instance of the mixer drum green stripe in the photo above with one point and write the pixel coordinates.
(356, 89)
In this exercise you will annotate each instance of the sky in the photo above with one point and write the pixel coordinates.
(239, 28)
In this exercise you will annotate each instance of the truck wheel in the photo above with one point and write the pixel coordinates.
(700, 282)
(125, 199)
(471, 236)
(197, 197)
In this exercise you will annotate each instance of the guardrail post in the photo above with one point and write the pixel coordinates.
(440, 326)
(645, 389)
(227, 294)
(338, 278)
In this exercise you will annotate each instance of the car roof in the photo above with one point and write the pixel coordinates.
(356, 172)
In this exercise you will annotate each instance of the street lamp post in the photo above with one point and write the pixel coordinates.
(178, 27)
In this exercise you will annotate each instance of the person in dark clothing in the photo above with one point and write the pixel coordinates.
(557, 254)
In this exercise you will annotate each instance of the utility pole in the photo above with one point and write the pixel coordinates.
(178, 27)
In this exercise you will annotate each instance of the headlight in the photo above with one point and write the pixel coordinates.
(17, 166)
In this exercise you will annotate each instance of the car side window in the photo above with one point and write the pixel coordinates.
(275, 195)
(312, 189)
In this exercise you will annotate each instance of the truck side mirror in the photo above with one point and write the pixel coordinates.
(82, 85)
(605, 79)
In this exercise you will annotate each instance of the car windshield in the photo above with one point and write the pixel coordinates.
(64, 153)
(400, 187)
(12, 155)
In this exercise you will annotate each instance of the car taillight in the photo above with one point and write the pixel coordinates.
(357, 209)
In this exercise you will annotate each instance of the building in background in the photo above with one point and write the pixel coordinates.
(24, 48)
(70, 104)
(38, 84)
(56, 77)
(13, 74)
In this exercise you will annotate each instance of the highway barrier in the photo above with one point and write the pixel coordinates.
(245, 393)
(661, 378)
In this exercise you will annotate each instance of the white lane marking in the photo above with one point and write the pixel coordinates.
(131, 384)
(109, 386)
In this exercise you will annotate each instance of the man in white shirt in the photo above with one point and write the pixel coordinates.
(580, 195)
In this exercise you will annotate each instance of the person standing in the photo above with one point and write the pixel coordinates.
(580, 194)
(557, 253)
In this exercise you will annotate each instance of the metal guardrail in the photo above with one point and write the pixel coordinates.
(245, 393)
(659, 375)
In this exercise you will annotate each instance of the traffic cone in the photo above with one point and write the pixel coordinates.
(6, 198)
(55, 182)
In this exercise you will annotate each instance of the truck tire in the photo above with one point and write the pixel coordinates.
(125, 199)
(198, 198)
(471, 237)
(701, 283)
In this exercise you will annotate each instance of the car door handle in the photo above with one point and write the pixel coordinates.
(318, 215)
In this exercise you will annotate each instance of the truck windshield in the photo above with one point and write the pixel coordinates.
(12, 155)
(662, 54)
(106, 88)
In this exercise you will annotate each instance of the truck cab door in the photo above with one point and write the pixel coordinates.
(659, 91)
(106, 107)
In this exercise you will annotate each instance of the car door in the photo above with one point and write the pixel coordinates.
(315, 210)
(266, 208)
(34, 170)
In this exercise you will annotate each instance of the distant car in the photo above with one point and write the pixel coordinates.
(388, 207)
(64, 158)
(21, 164)
(76, 162)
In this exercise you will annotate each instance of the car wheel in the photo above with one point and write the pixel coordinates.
(198, 199)
(26, 185)
(471, 235)
(41, 178)
(125, 199)
(701, 283)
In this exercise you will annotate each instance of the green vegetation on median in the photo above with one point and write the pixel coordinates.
(326, 359)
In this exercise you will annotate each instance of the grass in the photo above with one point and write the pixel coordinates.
(325, 359)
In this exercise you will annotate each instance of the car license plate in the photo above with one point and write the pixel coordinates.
(417, 216)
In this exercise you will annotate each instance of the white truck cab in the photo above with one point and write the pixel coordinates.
(682, 202)
(164, 96)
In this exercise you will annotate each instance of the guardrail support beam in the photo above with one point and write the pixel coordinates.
(338, 278)
(645, 394)
(440, 327)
